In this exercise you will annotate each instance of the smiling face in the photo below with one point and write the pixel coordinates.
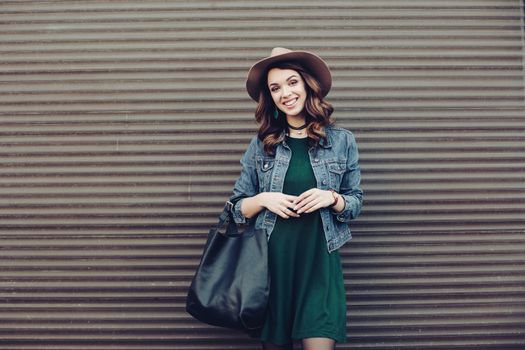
(287, 89)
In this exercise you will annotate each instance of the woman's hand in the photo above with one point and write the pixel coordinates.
(279, 203)
(313, 199)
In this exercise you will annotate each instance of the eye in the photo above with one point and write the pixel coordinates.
(274, 88)
(293, 82)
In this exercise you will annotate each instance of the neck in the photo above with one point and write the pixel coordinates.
(296, 126)
(295, 121)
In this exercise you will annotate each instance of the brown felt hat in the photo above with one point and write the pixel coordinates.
(314, 64)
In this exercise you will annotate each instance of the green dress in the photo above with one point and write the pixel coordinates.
(307, 294)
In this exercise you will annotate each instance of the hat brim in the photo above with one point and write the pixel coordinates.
(314, 64)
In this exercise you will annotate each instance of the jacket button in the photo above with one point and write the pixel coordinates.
(324, 182)
(316, 160)
(266, 166)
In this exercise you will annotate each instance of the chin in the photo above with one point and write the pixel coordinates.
(295, 112)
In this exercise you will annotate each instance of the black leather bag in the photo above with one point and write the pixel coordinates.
(231, 285)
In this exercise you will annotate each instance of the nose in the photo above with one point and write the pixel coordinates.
(286, 91)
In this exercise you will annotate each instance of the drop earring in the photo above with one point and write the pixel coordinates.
(276, 114)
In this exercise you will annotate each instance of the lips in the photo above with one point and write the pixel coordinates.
(290, 103)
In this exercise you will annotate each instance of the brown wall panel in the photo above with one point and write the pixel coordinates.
(121, 128)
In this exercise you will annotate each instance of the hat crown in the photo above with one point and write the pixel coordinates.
(276, 51)
(314, 64)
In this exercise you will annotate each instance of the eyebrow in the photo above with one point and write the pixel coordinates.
(290, 77)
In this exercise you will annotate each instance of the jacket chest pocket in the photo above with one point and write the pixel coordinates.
(264, 170)
(336, 170)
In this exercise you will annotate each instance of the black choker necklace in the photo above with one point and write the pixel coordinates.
(297, 127)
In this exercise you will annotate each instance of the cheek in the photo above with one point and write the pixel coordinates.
(302, 95)
(302, 90)
(302, 103)
(275, 97)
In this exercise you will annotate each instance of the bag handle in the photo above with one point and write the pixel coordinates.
(227, 226)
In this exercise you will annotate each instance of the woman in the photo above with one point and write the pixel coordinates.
(300, 182)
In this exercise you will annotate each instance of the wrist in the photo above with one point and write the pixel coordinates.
(335, 197)
(261, 200)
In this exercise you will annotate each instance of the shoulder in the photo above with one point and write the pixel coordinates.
(256, 146)
(255, 142)
(337, 134)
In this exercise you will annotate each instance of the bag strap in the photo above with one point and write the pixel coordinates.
(227, 225)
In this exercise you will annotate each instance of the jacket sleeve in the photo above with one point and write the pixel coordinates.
(247, 185)
(350, 185)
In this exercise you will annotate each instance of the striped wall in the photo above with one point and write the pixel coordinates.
(121, 128)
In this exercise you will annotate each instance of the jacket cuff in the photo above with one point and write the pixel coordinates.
(238, 217)
(348, 212)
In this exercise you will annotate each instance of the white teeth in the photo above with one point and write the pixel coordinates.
(289, 103)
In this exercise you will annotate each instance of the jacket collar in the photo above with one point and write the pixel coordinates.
(327, 141)
(324, 142)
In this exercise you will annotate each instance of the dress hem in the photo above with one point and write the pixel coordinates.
(320, 334)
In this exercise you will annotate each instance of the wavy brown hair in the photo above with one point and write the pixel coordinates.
(317, 110)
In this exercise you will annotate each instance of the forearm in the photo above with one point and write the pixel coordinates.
(340, 205)
(353, 203)
(251, 206)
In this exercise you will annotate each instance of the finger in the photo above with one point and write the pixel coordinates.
(282, 214)
(306, 201)
(290, 205)
(313, 208)
(290, 197)
(288, 213)
(293, 214)
(307, 208)
(304, 198)
(300, 206)
(278, 210)
(308, 192)
(303, 195)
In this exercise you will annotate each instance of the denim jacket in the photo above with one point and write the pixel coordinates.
(335, 165)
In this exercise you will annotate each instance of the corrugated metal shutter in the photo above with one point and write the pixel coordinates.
(122, 124)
